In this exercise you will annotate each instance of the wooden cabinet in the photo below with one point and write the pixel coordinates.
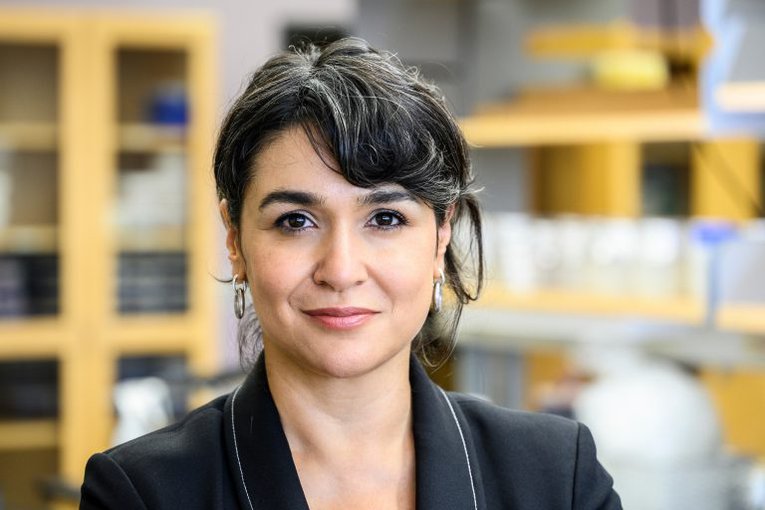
(106, 128)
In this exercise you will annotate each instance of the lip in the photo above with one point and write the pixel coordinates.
(341, 318)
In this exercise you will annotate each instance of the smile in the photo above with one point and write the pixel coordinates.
(340, 318)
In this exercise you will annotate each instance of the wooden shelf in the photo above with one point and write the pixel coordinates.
(154, 239)
(152, 334)
(28, 136)
(585, 41)
(147, 138)
(678, 310)
(582, 115)
(35, 338)
(28, 434)
(742, 318)
(29, 239)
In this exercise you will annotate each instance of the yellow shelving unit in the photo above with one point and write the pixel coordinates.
(151, 334)
(677, 310)
(585, 155)
(585, 115)
(580, 41)
(742, 317)
(21, 435)
(37, 338)
(146, 138)
(81, 83)
(29, 136)
(39, 62)
(29, 239)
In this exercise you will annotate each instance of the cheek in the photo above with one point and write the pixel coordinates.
(273, 276)
(406, 274)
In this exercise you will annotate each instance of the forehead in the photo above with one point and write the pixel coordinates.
(289, 152)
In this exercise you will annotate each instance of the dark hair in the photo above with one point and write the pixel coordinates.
(382, 123)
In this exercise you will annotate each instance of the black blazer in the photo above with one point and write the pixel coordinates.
(233, 454)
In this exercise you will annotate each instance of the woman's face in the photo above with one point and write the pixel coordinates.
(341, 276)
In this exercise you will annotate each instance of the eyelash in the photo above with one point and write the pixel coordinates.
(402, 221)
(281, 221)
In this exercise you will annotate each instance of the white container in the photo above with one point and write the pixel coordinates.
(516, 253)
(154, 196)
(575, 236)
(546, 252)
(612, 256)
(659, 255)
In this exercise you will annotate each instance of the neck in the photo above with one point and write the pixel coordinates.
(327, 417)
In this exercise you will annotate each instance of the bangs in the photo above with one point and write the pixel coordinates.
(376, 133)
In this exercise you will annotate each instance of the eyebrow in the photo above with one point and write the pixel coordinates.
(304, 198)
(308, 199)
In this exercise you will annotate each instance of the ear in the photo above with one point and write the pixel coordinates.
(443, 237)
(235, 255)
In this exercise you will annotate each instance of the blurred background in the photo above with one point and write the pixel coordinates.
(619, 147)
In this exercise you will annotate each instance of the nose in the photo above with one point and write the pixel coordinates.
(342, 261)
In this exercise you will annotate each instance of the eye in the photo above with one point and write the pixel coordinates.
(387, 220)
(294, 222)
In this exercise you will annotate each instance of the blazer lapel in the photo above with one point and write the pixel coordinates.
(259, 455)
(446, 472)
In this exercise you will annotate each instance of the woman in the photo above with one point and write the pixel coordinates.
(341, 175)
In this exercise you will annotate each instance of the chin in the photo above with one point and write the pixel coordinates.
(348, 362)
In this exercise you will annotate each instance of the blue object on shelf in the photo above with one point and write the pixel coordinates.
(711, 233)
(169, 105)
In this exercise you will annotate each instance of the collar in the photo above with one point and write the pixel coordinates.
(265, 474)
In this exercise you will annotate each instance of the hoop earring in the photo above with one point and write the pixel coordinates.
(438, 292)
(239, 289)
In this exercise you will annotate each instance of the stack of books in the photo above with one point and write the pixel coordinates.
(29, 285)
(28, 389)
(152, 282)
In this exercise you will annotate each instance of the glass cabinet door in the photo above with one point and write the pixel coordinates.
(29, 177)
(151, 206)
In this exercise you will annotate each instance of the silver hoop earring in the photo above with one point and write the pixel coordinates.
(438, 291)
(239, 289)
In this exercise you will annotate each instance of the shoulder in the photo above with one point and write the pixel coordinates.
(534, 459)
(511, 438)
(193, 436)
(166, 460)
(517, 429)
